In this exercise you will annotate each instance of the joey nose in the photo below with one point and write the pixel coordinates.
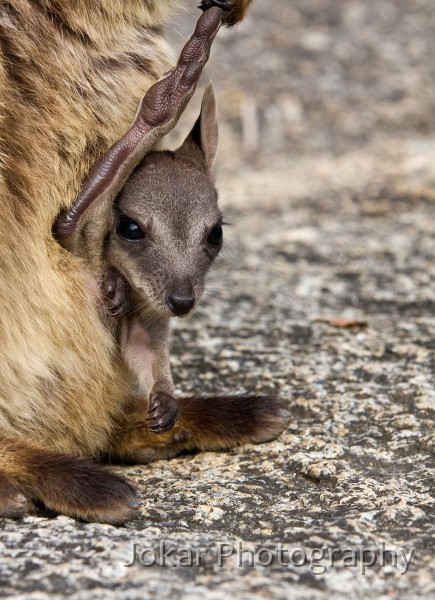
(181, 300)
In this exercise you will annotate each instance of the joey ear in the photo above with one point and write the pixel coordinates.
(204, 134)
(159, 111)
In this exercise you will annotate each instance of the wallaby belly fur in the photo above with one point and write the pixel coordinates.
(72, 75)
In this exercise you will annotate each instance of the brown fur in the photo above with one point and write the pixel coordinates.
(72, 73)
(208, 423)
(65, 483)
(61, 106)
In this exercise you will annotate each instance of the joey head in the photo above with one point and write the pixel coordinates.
(166, 225)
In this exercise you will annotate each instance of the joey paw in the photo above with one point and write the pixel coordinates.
(116, 292)
(163, 412)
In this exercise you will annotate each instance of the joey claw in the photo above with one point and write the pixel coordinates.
(181, 436)
(232, 11)
(116, 292)
(163, 412)
(222, 4)
(14, 506)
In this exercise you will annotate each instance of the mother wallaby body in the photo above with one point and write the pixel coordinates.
(71, 77)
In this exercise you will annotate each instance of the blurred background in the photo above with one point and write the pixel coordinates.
(327, 94)
(326, 171)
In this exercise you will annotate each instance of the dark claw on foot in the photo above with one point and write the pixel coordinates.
(163, 412)
(116, 293)
(222, 4)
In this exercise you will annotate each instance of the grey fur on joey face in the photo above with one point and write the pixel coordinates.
(166, 232)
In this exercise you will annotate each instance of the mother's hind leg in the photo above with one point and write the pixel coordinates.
(66, 484)
(213, 423)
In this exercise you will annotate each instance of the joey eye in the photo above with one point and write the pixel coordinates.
(129, 229)
(215, 236)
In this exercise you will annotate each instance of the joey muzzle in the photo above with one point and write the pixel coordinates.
(181, 299)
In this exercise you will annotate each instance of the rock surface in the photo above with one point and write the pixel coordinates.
(326, 296)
